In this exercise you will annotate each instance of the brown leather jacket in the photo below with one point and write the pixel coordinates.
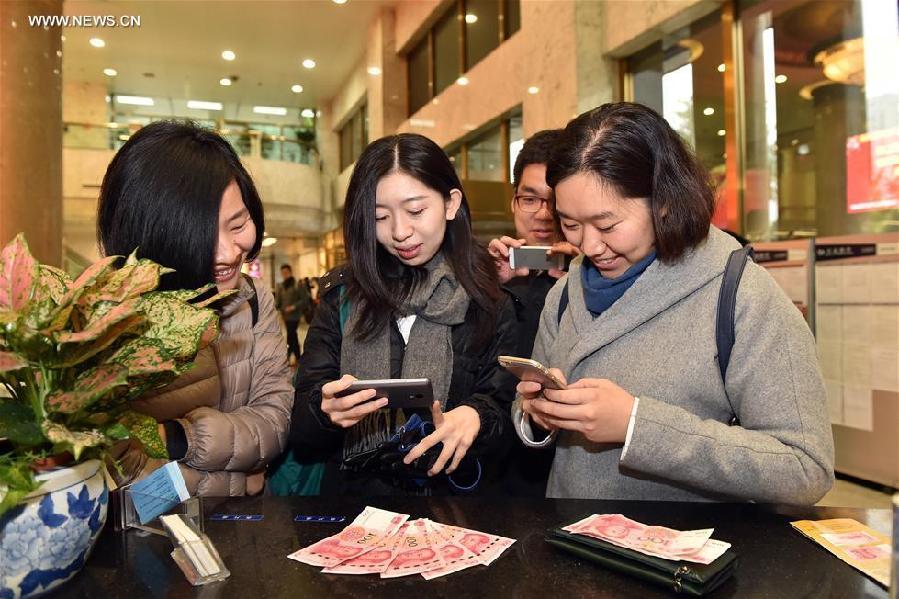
(234, 404)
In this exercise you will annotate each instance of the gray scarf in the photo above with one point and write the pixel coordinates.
(438, 303)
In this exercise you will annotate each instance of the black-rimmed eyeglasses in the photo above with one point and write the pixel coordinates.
(528, 203)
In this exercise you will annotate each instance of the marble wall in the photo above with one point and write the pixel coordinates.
(633, 24)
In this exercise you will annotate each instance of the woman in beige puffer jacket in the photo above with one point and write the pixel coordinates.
(180, 195)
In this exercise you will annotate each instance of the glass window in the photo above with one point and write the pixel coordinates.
(511, 17)
(446, 50)
(822, 125)
(680, 77)
(481, 30)
(455, 156)
(485, 157)
(516, 141)
(419, 76)
(354, 136)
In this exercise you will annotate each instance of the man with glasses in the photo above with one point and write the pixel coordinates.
(533, 211)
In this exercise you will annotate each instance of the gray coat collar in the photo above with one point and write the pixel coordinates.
(656, 290)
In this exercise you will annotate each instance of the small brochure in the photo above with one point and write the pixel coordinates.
(859, 546)
(158, 493)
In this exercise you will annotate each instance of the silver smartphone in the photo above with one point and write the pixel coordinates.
(400, 393)
(534, 257)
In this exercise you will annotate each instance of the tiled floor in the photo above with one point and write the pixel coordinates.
(848, 494)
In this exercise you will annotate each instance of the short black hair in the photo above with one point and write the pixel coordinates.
(161, 195)
(631, 148)
(380, 282)
(537, 149)
(287, 266)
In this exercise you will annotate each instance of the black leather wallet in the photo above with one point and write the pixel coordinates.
(681, 577)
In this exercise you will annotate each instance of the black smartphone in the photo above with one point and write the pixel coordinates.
(534, 257)
(400, 393)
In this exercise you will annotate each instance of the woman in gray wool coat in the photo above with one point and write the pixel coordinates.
(646, 414)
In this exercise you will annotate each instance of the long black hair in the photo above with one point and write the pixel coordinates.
(633, 149)
(161, 194)
(379, 282)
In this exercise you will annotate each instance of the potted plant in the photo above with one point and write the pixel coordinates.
(72, 355)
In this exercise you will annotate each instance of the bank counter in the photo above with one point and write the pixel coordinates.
(774, 560)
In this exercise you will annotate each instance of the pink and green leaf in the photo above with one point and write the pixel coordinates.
(88, 388)
(98, 328)
(52, 282)
(73, 441)
(10, 361)
(74, 354)
(18, 274)
(143, 356)
(146, 430)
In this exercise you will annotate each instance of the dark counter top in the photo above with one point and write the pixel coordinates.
(774, 560)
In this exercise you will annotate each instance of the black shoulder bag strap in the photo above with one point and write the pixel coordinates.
(563, 303)
(253, 300)
(725, 333)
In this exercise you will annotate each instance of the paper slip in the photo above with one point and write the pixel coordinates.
(861, 547)
(159, 492)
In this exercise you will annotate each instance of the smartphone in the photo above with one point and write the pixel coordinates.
(534, 257)
(531, 370)
(400, 393)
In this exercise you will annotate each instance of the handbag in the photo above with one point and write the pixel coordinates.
(387, 459)
(680, 576)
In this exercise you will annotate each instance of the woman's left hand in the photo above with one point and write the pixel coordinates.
(456, 429)
(597, 408)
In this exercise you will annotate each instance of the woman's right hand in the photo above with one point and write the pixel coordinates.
(348, 410)
(499, 250)
(531, 391)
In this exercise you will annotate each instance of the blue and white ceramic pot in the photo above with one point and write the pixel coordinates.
(45, 540)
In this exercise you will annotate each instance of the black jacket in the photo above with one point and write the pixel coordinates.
(477, 381)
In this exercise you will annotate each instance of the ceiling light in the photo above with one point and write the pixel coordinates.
(339, 1)
(229, 55)
(844, 62)
(533, 90)
(721, 68)
(270, 241)
(296, 88)
(108, 98)
(374, 71)
(307, 113)
(226, 81)
(201, 105)
(135, 100)
(780, 79)
(110, 72)
(721, 132)
(709, 111)
(272, 110)
(62, 37)
(463, 80)
(309, 63)
(96, 42)
(471, 18)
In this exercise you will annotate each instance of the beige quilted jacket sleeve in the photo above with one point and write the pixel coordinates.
(249, 429)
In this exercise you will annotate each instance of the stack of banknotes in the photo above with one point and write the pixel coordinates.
(687, 545)
(391, 545)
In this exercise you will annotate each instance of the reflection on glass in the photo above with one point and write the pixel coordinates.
(481, 30)
(485, 156)
(822, 118)
(455, 157)
(516, 141)
(419, 78)
(446, 50)
(679, 78)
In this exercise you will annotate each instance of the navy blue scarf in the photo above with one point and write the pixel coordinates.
(600, 292)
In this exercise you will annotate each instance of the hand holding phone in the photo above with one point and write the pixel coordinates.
(400, 393)
(531, 370)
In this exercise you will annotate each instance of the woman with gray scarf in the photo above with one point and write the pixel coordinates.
(418, 298)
